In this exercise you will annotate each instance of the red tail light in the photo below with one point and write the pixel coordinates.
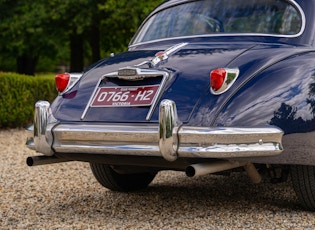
(62, 81)
(217, 77)
(222, 79)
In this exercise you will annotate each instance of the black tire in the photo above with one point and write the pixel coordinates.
(114, 181)
(303, 179)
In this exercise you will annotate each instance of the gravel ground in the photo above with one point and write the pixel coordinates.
(66, 196)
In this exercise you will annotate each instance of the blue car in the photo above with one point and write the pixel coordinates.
(204, 87)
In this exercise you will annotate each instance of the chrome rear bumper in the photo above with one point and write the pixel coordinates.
(169, 139)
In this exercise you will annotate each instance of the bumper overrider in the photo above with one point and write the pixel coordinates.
(169, 139)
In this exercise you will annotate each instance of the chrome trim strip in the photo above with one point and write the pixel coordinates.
(214, 35)
(88, 105)
(158, 95)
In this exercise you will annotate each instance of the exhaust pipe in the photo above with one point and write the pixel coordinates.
(252, 172)
(44, 160)
(207, 168)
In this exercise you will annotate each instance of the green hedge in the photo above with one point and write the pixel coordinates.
(19, 93)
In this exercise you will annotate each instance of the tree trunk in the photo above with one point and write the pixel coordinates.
(76, 50)
(26, 64)
(95, 43)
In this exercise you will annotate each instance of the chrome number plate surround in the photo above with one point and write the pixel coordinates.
(125, 96)
(141, 74)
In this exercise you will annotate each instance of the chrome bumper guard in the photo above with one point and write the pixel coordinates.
(169, 139)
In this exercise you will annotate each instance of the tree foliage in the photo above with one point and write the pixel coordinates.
(23, 26)
(72, 32)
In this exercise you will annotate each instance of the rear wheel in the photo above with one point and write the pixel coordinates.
(303, 179)
(115, 181)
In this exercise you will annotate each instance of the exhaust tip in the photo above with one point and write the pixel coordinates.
(44, 160)
(190, 171)
(29, 161)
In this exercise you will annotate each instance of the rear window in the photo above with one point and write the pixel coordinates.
(274, 17)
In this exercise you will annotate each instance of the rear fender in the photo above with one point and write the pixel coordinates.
(282, 95)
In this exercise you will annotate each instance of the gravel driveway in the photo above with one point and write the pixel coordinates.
(66, 196)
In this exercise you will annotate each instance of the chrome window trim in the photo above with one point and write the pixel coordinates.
(297, 6)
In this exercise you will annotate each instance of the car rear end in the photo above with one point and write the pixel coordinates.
(164, 104)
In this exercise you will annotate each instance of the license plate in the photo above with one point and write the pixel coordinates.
(125, 96)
